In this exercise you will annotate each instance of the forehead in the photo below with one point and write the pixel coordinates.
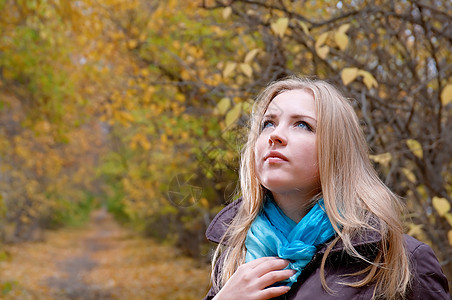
(292, 101)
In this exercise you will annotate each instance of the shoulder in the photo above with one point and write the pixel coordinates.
(220, 223)
(429, 281)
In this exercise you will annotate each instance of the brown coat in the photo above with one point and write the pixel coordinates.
(428, 281)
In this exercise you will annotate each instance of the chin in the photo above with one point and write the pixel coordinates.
(277, 186)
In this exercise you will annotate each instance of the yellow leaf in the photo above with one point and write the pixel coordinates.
(441, 205)
(279, 26)
(415, 230)
(223, 105)
(148, 94)
(323, 51)
(227, 12)
(409, 175)
(204, 202)
(348, 75)
(321, 40)
(449, 235)
(142, 140)
(422, 191)
(250, 55)
(341, 40)
(415, 147)
(233, 115)
(246, 69)
(369, 79)
(247, 106)
(446, 94)
(304, 27)
(229, 69)
(164, 138)
(125, 117)
(43, 127)
(144, 72)
(343, 28)
(145, 143)
(24, 219)
(448, 217)
(383, 158)
(132, 44)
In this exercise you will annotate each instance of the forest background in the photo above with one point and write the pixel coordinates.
(141, 106)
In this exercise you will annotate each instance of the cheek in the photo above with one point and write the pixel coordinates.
(259, 148)
(309, 156)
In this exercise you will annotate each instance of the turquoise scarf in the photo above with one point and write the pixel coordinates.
(274, 234)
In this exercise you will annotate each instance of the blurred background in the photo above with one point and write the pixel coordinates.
(137, 110)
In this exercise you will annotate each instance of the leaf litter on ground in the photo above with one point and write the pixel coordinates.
(101, 261)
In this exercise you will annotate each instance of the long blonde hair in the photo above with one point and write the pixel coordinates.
(356, 200)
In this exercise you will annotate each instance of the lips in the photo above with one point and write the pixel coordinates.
(275, 156)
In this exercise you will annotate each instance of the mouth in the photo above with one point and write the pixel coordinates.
(274, 157)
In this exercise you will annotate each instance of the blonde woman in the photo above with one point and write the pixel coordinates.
(314, 220)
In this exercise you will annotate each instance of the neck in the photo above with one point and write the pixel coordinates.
(293, 205)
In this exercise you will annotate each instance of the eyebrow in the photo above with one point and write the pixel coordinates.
(294, 116)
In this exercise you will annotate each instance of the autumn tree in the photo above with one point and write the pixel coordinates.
(393, 59)
(156, 95)
(47, 153)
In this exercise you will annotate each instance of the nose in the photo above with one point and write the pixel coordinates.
(277, 138)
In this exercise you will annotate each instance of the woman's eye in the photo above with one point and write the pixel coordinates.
(303, 125)
(267, 124)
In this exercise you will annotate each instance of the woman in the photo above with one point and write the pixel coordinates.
(314, 219)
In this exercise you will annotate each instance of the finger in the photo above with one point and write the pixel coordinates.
(254, 263)
(273, 292)
(270, 265)
(275, 276)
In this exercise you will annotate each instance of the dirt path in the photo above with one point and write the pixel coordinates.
(71, 285)
(101, 261)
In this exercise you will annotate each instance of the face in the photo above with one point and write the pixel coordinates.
(285, 151)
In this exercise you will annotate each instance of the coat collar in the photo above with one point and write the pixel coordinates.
(222, 220)
(220, 223)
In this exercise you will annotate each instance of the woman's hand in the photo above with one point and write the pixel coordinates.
(251, 280)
